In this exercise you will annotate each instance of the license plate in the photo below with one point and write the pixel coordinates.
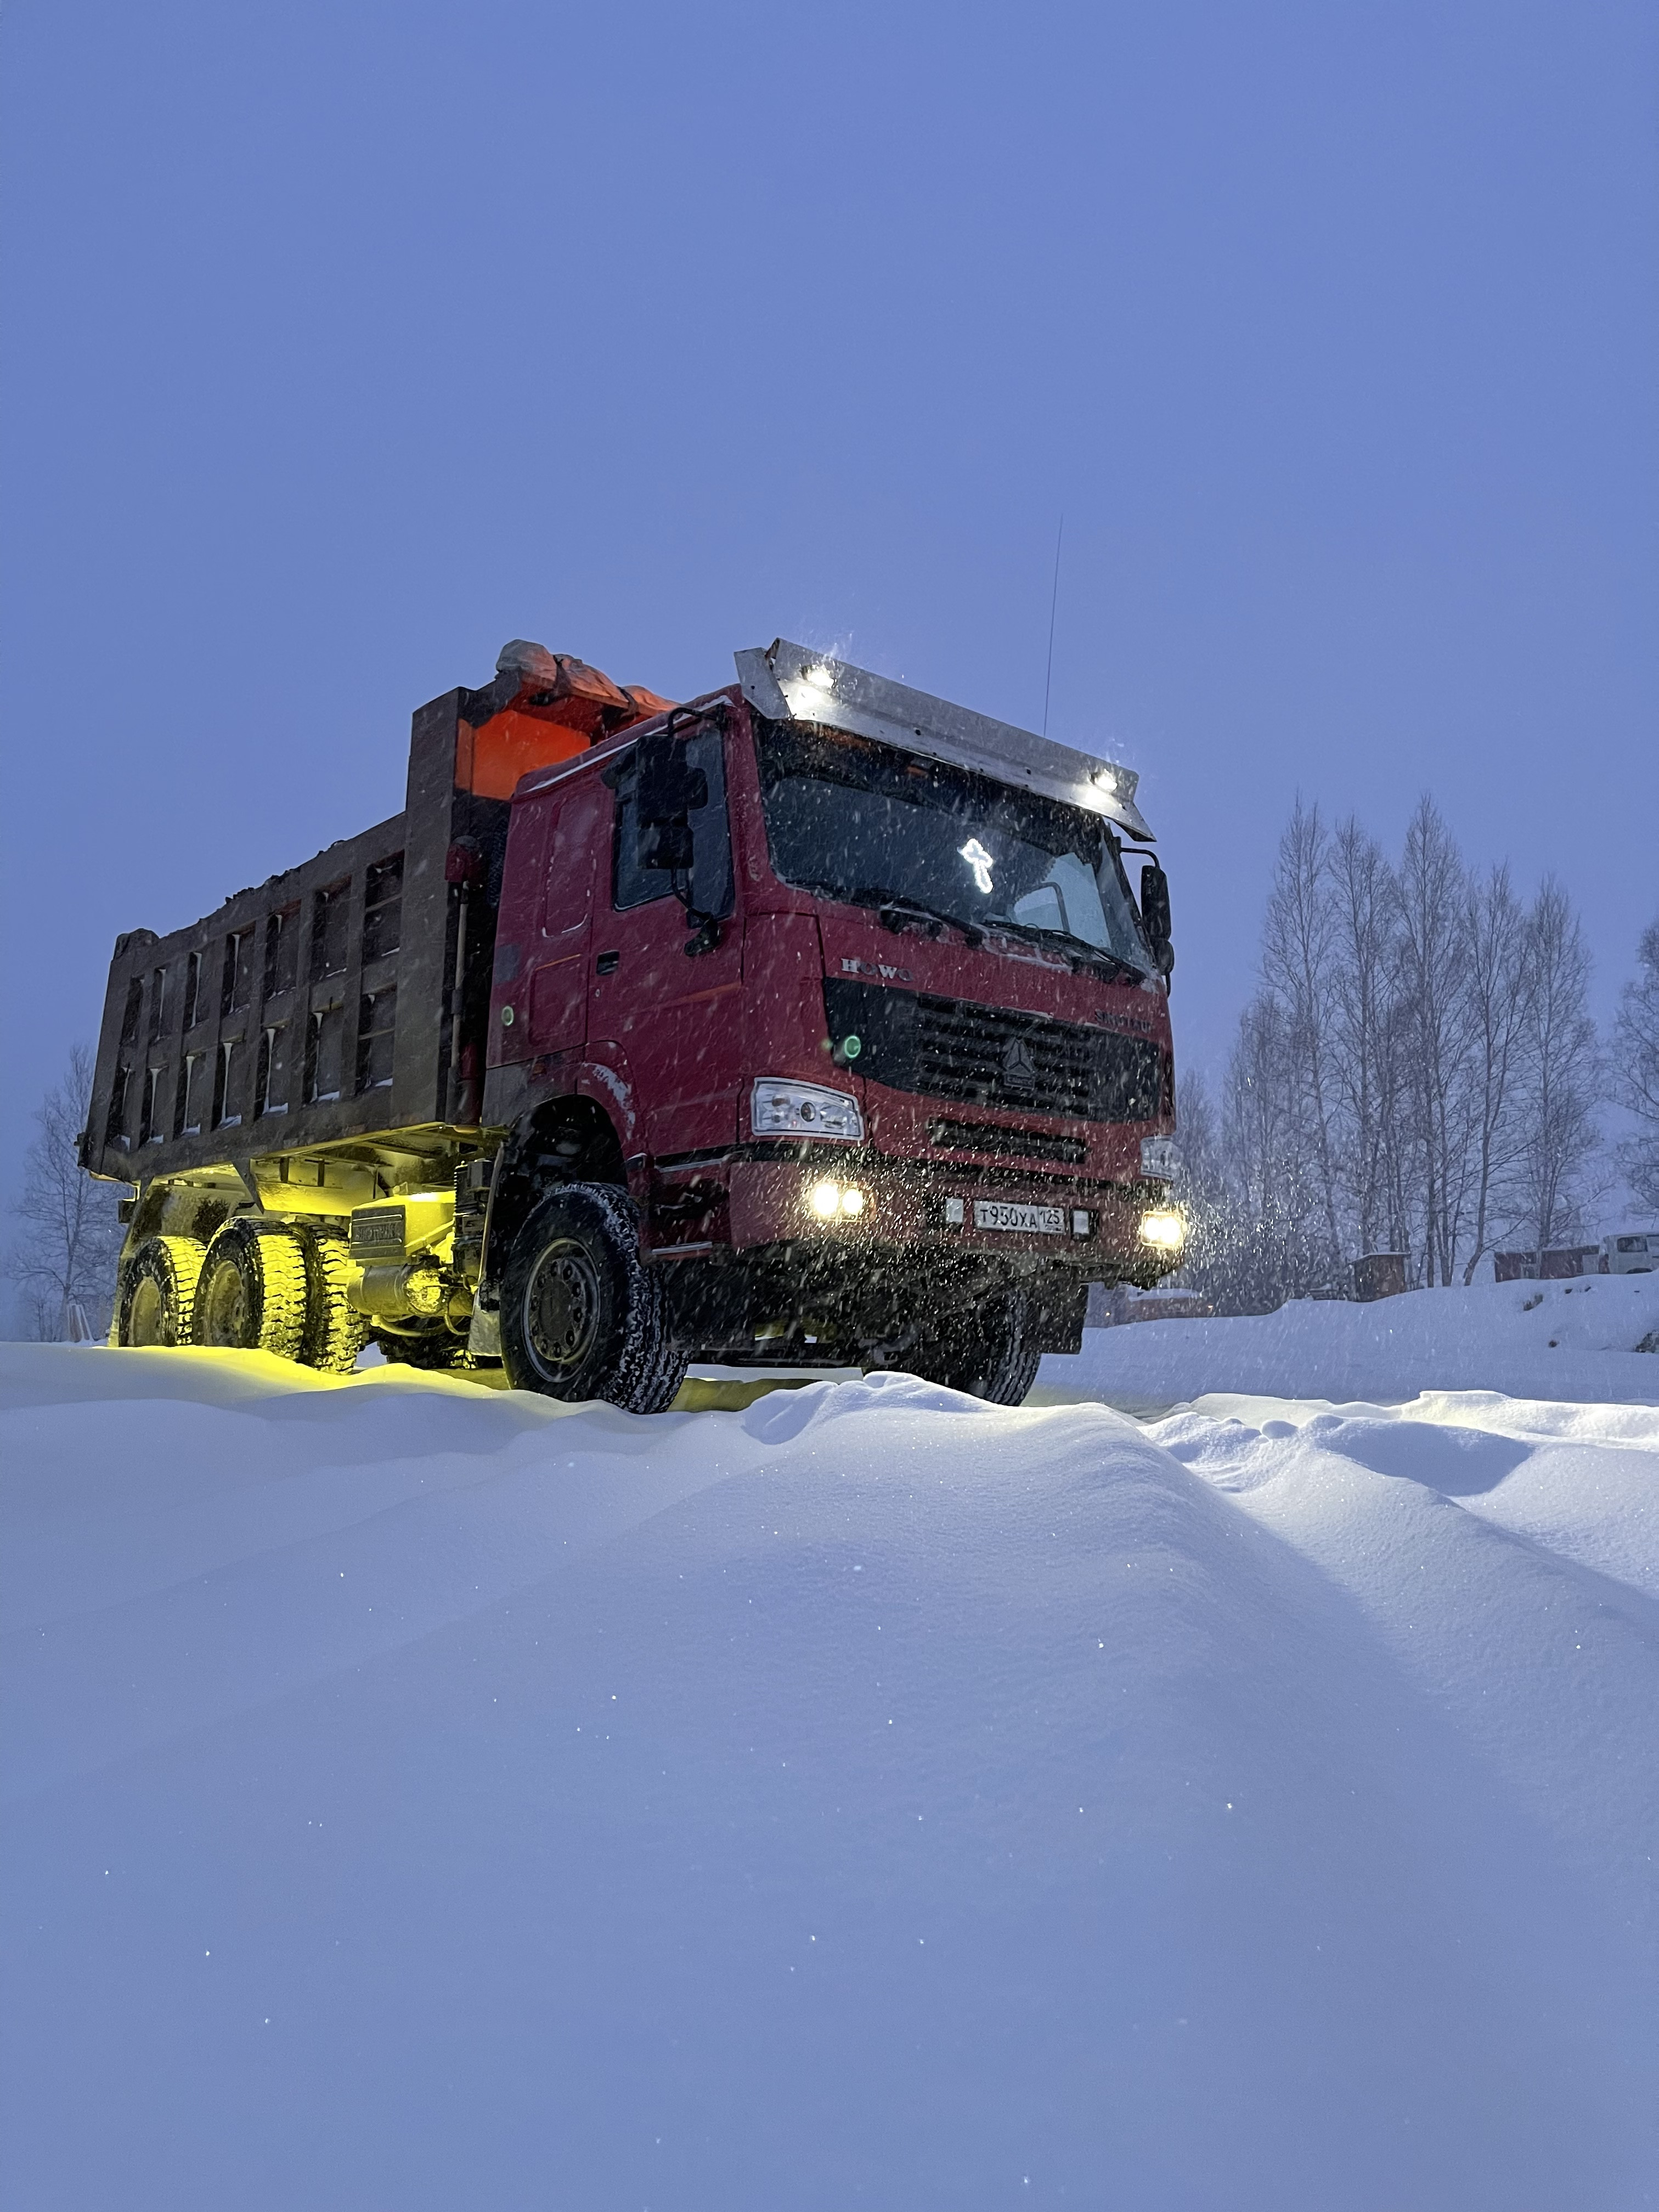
(999, 1213)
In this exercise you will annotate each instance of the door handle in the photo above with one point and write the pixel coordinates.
(606, 963)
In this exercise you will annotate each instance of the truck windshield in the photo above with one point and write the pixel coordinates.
(860, 821)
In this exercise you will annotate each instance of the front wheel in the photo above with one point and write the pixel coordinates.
(582, 1316)
(986, 1351)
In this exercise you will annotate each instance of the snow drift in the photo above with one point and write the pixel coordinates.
(1570, 1340)
(423, 1798)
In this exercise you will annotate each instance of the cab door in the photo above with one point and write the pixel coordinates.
(557, 986)
(673, 1014)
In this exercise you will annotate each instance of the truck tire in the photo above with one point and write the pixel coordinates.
(582, 1316)
(158, 1297)
(252, 1296)
(335, 1331)
(986, 1353)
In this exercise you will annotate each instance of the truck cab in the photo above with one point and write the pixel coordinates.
(853, 987)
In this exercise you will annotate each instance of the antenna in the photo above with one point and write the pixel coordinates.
(1054, 604)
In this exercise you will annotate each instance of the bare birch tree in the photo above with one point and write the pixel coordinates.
(1636, 1069)
(1296, 968)
(1418, 1072)
(69, 1236)
(1560, 1072)
(1499, 977)
(1200, 1188)
(1278, 1248)
(1362, 904)
(1432, 901)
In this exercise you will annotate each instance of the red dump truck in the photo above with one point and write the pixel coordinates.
(811, 1023)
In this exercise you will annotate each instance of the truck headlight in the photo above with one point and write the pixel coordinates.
(1159, 1159)
(1163, 1229)
(779, 1108)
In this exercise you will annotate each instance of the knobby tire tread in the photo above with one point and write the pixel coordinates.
(335, 1332)
(174, 1265)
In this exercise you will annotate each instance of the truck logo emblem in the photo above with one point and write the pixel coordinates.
(873, 968)
(1018, 1069)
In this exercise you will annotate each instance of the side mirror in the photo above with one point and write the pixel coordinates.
(1155, 916)
(665, 845)
(669, 791)
(670, 788)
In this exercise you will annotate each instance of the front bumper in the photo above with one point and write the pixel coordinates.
(1092, 1227)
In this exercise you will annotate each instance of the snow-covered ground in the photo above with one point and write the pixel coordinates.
(423, 1797)
(1571, 1340)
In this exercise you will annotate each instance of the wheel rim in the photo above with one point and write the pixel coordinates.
(561, 1308)
(147, 1315)
(224, 1310)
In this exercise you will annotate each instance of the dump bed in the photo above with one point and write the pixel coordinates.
(317, 1010)
(310, 1011)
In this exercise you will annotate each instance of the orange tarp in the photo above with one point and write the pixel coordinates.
(490, 761)
(561, 707)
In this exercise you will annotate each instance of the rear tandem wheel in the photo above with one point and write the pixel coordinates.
(158, 1297)
(335, 1332)
(251, 1295)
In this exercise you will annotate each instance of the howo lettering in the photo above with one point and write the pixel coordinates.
(812, 1023)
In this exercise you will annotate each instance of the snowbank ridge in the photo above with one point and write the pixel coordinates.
(420, 1798)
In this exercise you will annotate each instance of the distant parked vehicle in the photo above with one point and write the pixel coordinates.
(1631, 1254)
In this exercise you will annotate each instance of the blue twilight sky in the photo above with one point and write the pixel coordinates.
(344, 342)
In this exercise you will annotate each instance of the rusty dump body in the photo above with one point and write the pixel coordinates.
(615, 945)
(317, 1029)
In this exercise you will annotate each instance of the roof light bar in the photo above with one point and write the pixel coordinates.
(787, 683)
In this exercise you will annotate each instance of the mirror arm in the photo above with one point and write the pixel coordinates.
(707, 925)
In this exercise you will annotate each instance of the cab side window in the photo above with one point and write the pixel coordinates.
(711, 884)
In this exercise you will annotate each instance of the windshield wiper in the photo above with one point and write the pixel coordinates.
(1085, 954)
(891, 910)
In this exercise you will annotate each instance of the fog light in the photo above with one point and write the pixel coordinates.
(852, 1201)
(824, 1199)
(1163, 1229)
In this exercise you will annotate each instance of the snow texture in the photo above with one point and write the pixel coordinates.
(422, 1798)
(1573, 1340)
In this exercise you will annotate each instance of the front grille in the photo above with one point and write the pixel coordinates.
(991, 1056)
(986, 1137)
